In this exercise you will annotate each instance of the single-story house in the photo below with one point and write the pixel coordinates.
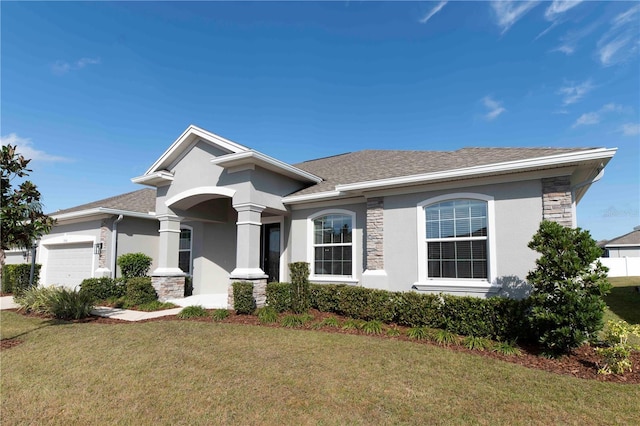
(434, 221)
(627, 245)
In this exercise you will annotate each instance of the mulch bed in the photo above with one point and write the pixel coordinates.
(582, 363)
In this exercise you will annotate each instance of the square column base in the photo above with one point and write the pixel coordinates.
(259, 291)
(377, 279)
(168, 287)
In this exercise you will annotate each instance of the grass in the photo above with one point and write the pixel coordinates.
(624, 300)
(225, 373)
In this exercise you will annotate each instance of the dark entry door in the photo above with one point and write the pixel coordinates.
(270, 251)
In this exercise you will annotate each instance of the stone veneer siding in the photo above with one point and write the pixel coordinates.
(168, 287)
(557, 202)
(104, 231)
(259, 291)
(375, 234)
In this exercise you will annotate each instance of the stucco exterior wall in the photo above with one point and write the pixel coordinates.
(624, 251)
(518, 212)
(14, 257)
(137, 236)
(298, 238)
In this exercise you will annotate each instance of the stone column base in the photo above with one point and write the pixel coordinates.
(259, 291)
(168, 287)
(377, 279)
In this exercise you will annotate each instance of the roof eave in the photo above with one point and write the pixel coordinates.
(256, 158)
(155, 179)
(101, 211)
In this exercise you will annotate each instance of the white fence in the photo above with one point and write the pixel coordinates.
(622, 266)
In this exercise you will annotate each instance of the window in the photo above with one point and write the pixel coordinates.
(333, 244)
(184, 251)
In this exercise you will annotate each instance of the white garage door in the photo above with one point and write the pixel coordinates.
(69, 264)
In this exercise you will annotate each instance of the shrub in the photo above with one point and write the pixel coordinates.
(445, 337)
(279, 296)
(103, 288)
(155, 305)
(299, 287)
(267, 315)
(507, 348)
(139, 291)
(617, 354)
(393, 332)
(243, 301)
(352, 324)
(292, 321)
(372, 327)
(366, 304)
(134, 264)
(193, 312)
(220, 314)
(325, 297)
(329, 322)
(568, 285)
(15, 278)
(419, 333)
(59, 302)
(476, 343)
(416, 309)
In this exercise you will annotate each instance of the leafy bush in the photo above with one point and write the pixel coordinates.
(366, 304)
(279, 296)
(155, 305)
(299, 287)
(15, 278)
(139, 291)
(220, 314)
(267, 315)
(134, 264)
(325, 297)
(59, 302)
(243, 301)
(617, 354)
(568, 285)
(103, 288)
(193, 312)
(417, 309)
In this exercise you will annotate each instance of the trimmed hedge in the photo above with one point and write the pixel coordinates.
(134, 264)
(139, 291)
(299, 287)
(15, 278)
(103, 288)
(243, 301)
(279, 296)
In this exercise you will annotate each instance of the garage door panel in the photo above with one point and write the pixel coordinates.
(69, 264)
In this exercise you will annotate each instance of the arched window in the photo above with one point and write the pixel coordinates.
(184, 250)
(332, 248)
(456, 238)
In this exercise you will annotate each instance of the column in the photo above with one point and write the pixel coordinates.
(167, 279)
(557, 201)
(374, 275)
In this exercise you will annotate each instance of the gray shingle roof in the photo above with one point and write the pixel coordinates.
(141, 201)
(632, 237)
(370, 165)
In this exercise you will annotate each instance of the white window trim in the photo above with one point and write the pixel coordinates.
(423, 277)
(311, 245)
(187, 227)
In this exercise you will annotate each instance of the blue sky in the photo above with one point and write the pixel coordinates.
(95, 92)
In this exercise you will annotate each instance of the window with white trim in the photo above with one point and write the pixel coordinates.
(333, 244)
(456, 239)
(184, 250)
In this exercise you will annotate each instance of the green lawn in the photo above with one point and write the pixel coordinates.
(624, 300)
(183, 372)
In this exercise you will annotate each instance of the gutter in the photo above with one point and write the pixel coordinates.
(114, 245)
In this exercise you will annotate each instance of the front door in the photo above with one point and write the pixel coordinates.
(270, 251)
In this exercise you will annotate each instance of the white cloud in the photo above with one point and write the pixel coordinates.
(508, 12)
(572, 92)
(433, 11)
(25, 147)
(558, 7)
(495, 108)
(622, 39)
(594, 117)
(630, 129)
(63, 67)
(569, 41)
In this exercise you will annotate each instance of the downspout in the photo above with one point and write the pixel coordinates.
(580, 185)
(114, 245)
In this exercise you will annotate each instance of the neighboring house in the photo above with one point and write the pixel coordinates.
(87, 239)
(622, 255)
(627, 245)
(456, 222)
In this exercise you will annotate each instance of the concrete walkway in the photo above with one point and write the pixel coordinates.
(208, 301)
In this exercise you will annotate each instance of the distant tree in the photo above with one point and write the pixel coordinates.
(21, 218)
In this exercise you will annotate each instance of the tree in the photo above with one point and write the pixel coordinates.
(21, 218)
(568, 284)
